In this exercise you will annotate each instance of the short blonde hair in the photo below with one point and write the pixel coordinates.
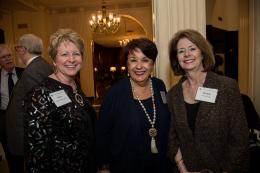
(63, 35)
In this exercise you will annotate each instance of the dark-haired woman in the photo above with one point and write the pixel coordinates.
(132, 129)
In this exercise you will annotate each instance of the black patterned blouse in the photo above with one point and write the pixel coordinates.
(58, 139)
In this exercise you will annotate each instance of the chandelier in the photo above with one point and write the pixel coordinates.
(123, 42)
(103, 23)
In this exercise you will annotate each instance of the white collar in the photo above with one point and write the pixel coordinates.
(6, 72)
(30, 60)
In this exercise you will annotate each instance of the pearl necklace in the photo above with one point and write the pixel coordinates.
(77, 96)
(152, 130)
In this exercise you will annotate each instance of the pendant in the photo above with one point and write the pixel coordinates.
(153, 146)
(79, 99)
(152, 132)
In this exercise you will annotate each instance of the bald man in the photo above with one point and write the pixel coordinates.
(7, 68)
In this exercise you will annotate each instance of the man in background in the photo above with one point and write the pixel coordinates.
(29, 50)
(9, 75)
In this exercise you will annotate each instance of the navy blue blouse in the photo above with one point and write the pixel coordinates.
(122, 135)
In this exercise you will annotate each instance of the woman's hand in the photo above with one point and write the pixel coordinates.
(180, 164)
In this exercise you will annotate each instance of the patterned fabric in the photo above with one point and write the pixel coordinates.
(33, 75)
(58, 139)
(220, 140)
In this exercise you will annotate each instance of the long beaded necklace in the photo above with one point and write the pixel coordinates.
(77, 96)
(152, 130)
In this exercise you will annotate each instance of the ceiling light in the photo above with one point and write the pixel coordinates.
(123, 42)
(101, 22)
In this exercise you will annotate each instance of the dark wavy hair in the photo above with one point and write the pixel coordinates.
(147, 46)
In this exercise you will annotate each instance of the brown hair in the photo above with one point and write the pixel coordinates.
(196, 38)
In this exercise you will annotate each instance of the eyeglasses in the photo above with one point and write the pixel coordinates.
(5, 56)
(67, 54)
(19, 47)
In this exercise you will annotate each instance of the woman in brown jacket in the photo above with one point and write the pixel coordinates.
(208, 130)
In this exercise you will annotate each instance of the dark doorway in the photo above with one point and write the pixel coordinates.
(109, 68)
(2, 36)
(225, 45)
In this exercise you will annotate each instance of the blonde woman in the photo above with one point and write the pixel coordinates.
(59, 124)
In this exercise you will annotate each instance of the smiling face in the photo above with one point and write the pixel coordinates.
(139, 66)
(189, 56)
(6, 60)
(68, 60)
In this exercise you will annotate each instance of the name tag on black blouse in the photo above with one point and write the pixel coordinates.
(60, 98)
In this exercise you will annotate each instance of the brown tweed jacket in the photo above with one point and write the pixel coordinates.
(220, 140)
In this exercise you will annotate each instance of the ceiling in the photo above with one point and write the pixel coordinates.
(90, 3)
(128, 27)
(57, 4)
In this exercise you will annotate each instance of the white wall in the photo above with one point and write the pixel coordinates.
(169, 17)
(227, 10)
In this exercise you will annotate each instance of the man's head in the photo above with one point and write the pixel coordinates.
(29, 45)
(6, 59)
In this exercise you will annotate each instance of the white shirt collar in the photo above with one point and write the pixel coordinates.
(6, 72)
(30, 60)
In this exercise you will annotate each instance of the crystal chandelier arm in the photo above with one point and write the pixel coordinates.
(103, 23)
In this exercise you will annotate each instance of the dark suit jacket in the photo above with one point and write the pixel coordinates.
(33, 74)
(220, 140)
(19, 72)
(2, 112)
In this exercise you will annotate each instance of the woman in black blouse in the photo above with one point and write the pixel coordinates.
(59, 134)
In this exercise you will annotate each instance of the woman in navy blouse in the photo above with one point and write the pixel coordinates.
(132, 129)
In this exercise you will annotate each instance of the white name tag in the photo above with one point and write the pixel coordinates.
(60, 98)
(206, 94)
(163, 95)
